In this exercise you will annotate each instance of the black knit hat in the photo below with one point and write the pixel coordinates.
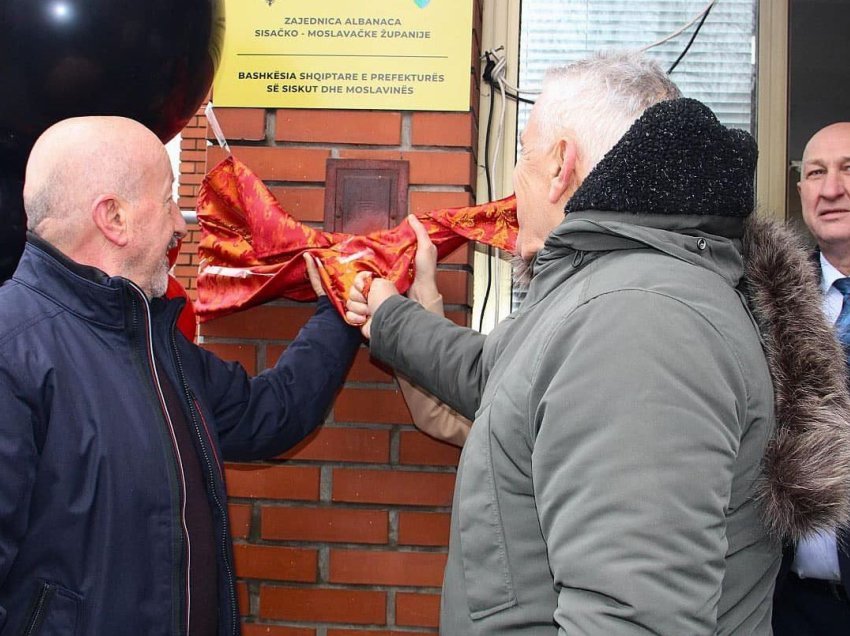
(675, 159)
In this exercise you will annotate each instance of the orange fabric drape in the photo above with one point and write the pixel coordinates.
(250, 250)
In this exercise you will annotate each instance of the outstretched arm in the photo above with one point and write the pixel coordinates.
(263, 416)
(429, 414)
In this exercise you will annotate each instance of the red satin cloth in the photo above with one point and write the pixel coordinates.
(251, 248)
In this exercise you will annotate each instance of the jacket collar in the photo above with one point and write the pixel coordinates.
(712, 242)
(676, 158)
(85, 291)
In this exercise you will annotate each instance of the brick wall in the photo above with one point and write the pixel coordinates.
(346, 534)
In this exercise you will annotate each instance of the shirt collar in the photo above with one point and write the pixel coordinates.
(829, 274)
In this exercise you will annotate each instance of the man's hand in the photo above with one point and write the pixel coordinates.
(424, 287)
(313, 274)
(364, 298)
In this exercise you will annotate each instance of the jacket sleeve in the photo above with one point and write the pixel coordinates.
(18, 461)
(432, 351)
(429, 414)
(263, 416)
(637, 409)
(432, 416)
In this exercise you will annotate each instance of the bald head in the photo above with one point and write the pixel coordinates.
(100, 190)
(77, 160)
(837, 133)
(825, 192)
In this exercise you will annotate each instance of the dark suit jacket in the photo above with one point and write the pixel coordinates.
(843, 564)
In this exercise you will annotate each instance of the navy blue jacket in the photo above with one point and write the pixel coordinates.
(91, 538)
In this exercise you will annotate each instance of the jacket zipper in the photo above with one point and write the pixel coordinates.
(193, 409)
(161, 397)
(41, 602)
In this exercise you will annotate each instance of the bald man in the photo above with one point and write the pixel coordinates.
(113, 427)
(814, 583)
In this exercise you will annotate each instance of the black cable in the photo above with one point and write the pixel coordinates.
(519, 98)
(489, 66)
(487, 75)
(691, 41)
(489, 191)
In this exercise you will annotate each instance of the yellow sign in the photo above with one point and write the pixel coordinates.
(376, 54)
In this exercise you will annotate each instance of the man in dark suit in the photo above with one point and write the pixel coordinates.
(812, 590)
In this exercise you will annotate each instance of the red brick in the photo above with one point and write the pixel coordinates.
(191, 179)
(461, 318)
(368, 369)
(386, 406)
(425, 201)
(275, 563)
(240, 123)
(442, 129)
(344, 445)
(368, 567)
(463, 255)
(373, 632)
(423, 528)
(267, 322)
(186, 203)
(282, 163)
(339, 126)
(244, 354)
(305, 204)
(260, 629)
(243, 598)
(185, 270)
(455, 286)
(417, 610)
(418, 448)
(393, 487)
(358, 607)
(240, 520)
(191, 144)
(333, 525)
(193, 155)
(426, 166)
(263, 481)
(193, 132)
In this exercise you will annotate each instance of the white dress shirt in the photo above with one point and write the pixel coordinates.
(817, 555)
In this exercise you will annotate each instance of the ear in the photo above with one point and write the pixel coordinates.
(110, 217)
(565, 166)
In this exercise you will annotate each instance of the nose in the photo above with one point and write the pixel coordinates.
(180, 229)
(833, 185)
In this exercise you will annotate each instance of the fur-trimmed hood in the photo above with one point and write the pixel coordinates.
(679, 169)
(806, 474)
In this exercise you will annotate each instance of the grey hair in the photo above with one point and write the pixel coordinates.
(599, 98)
(39, 205)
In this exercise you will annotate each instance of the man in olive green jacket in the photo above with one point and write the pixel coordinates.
(623, 474)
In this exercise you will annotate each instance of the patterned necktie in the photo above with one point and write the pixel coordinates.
(842, 324)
